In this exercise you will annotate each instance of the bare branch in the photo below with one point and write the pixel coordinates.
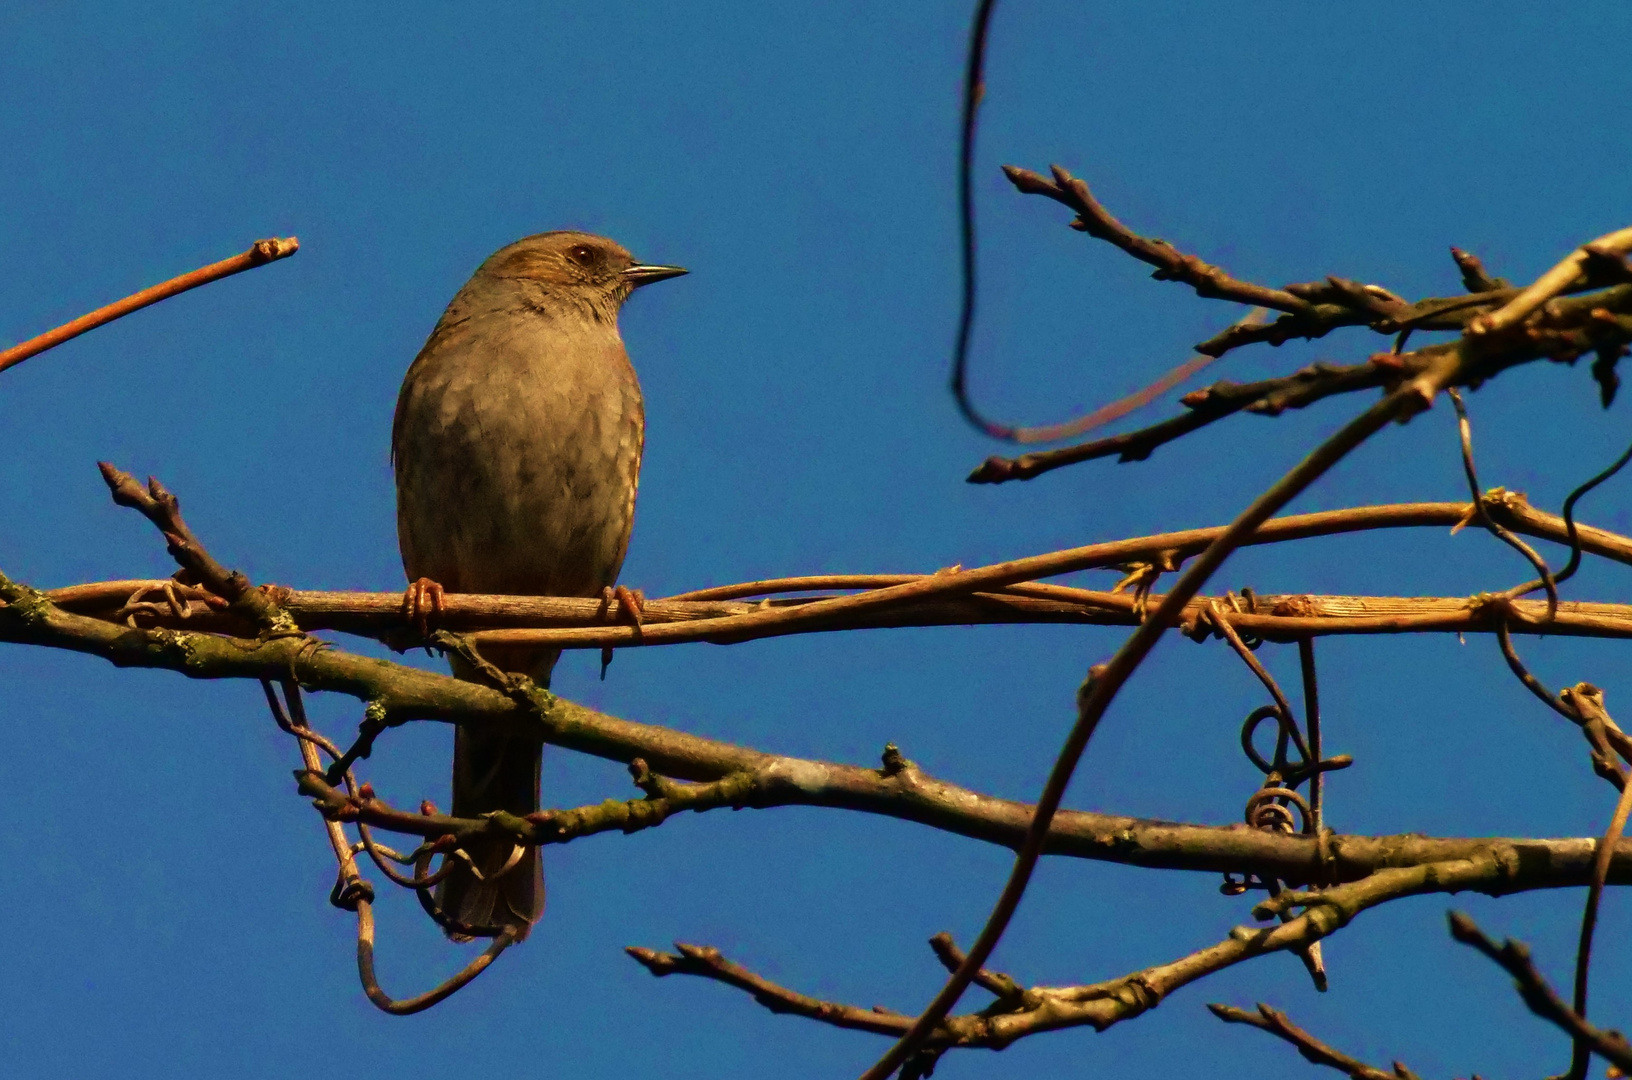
(1106, 680)
(1600, 322)
(707, 962)
(1034, 1010)
(1543, 1000)
(1313, 1050)
(1171, 264)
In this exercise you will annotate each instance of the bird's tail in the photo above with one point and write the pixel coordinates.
(501, 886)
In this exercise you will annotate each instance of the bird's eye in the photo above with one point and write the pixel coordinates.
(582, 254)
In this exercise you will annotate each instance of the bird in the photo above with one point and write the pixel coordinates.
(516, 446)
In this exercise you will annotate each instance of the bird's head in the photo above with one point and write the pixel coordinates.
(581, 265)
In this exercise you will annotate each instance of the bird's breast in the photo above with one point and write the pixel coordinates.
(517, 448)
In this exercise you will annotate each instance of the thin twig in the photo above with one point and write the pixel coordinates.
(1210, 404)
(1542, 999)
(1504, 639)
(261, 253)
(355, 893)
(1000, 985)
(707, 962)
(1313, 1050)
(1283, 707)
(420, 1002)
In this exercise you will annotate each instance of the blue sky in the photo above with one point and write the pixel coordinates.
(168, 885)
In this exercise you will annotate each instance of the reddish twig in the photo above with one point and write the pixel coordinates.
(1269, 397)
(263, 252)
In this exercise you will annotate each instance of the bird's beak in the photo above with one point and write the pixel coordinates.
(640, 275)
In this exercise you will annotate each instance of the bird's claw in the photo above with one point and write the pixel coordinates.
(421, 602)
(628, 602)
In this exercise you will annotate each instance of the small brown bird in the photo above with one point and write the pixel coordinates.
(517, 443)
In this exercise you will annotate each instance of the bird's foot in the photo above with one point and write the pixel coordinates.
(421, 602)
(630, 603)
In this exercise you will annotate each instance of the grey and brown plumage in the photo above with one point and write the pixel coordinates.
(517, 443)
